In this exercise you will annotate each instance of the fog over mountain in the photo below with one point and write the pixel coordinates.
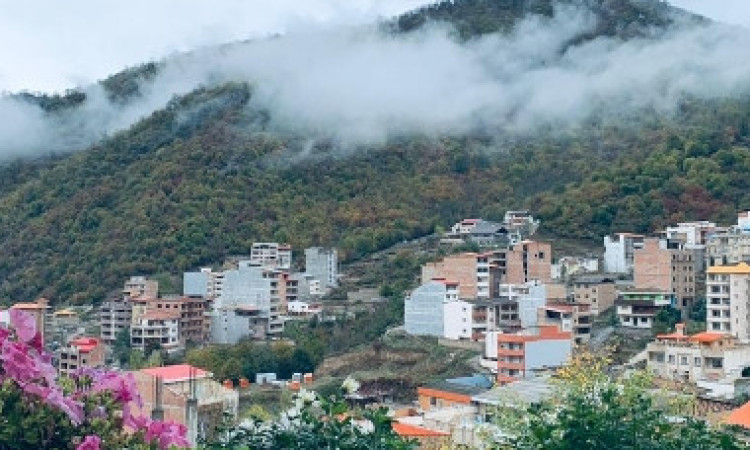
(363, 84)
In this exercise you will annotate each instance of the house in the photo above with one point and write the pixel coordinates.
(619, 250)
(444, 394)
(598, 291)
(471, 271)
(705, 356)
(192, 312)
(728, 300)
(636, 308)
(304, 309)
(140, 286)
(115, 315)
(187, 395)
(572, 317)
(426, 437)
(522, 354)
(271, 255)
(426, 310)
(80, 352)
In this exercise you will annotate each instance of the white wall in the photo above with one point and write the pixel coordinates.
(614, 255)
(457, 320)
(547, 353)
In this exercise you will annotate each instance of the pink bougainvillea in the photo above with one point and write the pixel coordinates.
(25, 364)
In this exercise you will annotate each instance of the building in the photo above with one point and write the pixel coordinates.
(271, 255)
(571, 317)
(619, 250)
(140, 287)
(186, 395)
(528, 261)
(80, 352)
(599, 291)
(424, 307)
(691, 234)
(115, 316)
(304, 309)
(322, 264)
(444, 394)
(38, 310)
(195, 323)
(251, 304)
(728, 300)
(470, 270)
(205, 283)
(569, 266)
(671, 267)
(156, 330)
(706, 356)
(637, 308)
(523, 354)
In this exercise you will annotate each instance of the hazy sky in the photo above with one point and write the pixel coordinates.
(49, 45)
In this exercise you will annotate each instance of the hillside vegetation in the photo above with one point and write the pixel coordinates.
(205, 177)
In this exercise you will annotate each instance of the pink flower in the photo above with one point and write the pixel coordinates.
(123, 387)
(72, 408)
(92, 442)
(23, 323)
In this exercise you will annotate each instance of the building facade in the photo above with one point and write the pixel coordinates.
(140, 287)
(271, 255)
(728, 299)
(598, 291)
(156, 330)
(522, 354)
(424, 307)
(637, 308)
(322, 264)
(79, 353)
(619, 250)
(529, 261)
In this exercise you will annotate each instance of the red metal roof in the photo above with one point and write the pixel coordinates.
(175, 373)
(740, 416)
(85, 344)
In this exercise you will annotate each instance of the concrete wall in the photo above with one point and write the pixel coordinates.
(461, 268)
(457, 320)
(195, 284)
(423, 310)
(547, 353)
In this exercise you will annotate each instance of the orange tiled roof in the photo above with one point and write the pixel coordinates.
(406, 430)
(740, 416)
(85, 344)
(707, 337)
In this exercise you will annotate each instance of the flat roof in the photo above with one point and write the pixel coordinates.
(742, 269)
(176, 372)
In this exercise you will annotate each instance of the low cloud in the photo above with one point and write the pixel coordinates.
(363, 85)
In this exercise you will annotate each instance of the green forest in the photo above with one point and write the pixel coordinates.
(206, 176)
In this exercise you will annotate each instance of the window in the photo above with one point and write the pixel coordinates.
(670, 359)
(433, 401)
(684, 360)
(697, 362)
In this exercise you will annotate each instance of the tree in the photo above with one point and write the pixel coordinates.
(121, 347)
(589, 411)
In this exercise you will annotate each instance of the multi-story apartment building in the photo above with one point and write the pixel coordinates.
(204, 283)
(570, 317)
(140, 287)
(528, 261)
(664, 265)
(470, 270)
(271, 255)
(154, 330)
(728, 300)
(691, 234)
(619, 250)
(521, 354)
(636, 308)
(115, 316)
(706, 356)
(251, 304)
(80, 352)
(598, 291)
(195, 323)
(322, 264)
(424, 308)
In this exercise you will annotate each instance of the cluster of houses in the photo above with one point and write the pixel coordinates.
(529, 313)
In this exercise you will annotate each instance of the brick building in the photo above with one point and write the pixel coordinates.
(671, 268)
(599, 291)
(528, 261)
(80, 352)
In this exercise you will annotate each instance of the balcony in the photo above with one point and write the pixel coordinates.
(508, 352)
(510, 365)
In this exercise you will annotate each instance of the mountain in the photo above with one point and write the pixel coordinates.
(211, 172)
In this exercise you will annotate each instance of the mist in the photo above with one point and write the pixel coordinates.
(362, 85)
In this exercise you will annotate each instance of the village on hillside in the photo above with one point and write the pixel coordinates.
(675, 303)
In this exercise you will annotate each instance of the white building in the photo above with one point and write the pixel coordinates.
(271, 255)
(205, 283)
(619, 250)
(322, 264)
(728, 300)
(691, 234)
(303, 309)
(706, 356)
(156, 329)
(140, 286)
(637, 308)
(424, 308)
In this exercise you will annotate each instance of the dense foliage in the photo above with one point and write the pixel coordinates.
(91, 410)
(205, 177)
(317, 423)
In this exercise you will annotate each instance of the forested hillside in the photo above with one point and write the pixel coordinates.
(206, 176)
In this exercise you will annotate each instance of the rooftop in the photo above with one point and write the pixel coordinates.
(529, 391)
(455, 388)
(740, 416)
(160, 315)
(177, 372)
(741, 269)
(85, 344)
(407, 430)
